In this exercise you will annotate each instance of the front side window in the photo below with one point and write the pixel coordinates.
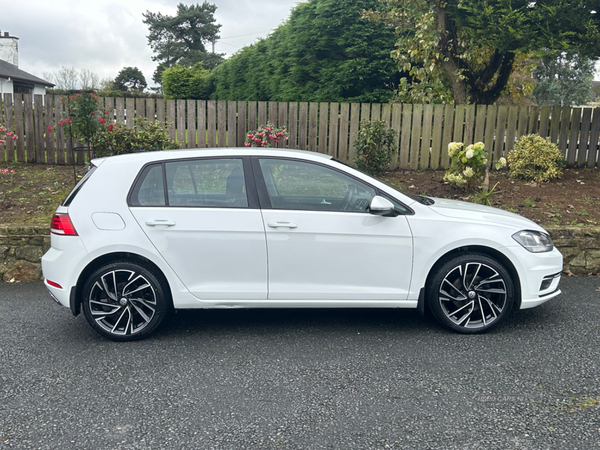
(216, 183)
(308, 186)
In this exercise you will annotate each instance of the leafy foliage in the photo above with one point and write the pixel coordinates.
(86, 117)
(535, 158)
(465, 50)
(374, 145)
(468, 166)
(563, 79)
(266, 136)
(325, 52)
(117, 139)
(181, 39)
(130, 79)
(187, 83)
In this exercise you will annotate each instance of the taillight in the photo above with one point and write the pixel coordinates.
(61, 224)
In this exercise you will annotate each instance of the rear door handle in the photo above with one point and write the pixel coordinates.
(282, 225)
(160, 223)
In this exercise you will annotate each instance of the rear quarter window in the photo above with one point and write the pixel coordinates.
(149, 188)
(78, 186)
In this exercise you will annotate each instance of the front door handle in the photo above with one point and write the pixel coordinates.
(160, 223)
(282, 225)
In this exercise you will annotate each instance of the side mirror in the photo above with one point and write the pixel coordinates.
(381, 206)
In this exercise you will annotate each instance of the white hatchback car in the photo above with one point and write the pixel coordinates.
(144, 233)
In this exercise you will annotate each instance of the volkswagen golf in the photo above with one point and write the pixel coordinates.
(143, 234)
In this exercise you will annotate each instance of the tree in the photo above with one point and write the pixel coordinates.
(325, 52)
(88, 79)
(563, 79)
(467, 48)
(181, 39)
(130, 79)
(66, 78)
(186, 83)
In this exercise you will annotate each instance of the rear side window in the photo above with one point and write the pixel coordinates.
(149, 189)
(217, 183)
(78, 186)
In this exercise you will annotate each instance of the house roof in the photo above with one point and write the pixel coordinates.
(10, 70)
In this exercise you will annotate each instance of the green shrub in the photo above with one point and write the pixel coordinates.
(374, 145)
(117, 139)
(535, 158)
(186, 82)
(468, 167)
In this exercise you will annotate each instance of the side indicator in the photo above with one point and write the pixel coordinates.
(61, 224)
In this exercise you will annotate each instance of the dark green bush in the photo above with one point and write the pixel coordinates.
(374, 145)
(144, 136)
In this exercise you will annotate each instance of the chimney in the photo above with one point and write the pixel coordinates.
(9, 48)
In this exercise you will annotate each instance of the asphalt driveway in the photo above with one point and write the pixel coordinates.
(299, 379)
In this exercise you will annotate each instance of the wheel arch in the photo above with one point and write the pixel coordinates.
(488, 251)
(113, 257)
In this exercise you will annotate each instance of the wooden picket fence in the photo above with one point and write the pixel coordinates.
(424, 131)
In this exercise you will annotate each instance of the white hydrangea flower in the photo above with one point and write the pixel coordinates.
(469, 153)
(502, 162)
(468, 172)
(454, 148)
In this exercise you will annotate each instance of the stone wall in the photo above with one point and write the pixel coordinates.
(21, 248)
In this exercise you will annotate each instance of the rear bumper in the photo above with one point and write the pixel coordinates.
(60, 266)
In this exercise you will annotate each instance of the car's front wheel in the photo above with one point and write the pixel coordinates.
(471, 293)
(124, 301)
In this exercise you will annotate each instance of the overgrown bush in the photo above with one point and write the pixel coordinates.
(374, 145)
(186, 82)
(86, 117)
(117, 139)
(535, 158)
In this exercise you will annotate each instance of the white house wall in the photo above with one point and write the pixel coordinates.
(6, 86)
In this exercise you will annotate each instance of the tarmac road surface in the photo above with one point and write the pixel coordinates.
(301, 379)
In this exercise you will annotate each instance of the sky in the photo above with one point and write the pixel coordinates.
(106, 36)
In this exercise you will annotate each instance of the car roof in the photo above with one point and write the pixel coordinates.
(204, 152)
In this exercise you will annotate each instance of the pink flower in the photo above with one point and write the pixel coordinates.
(14, 138)
(250, 135)
(4, 170)
(106, 111)
(102, 119)
(247, 144)
(110, 127)
(49, 129)
(9, 134)
(1, 141)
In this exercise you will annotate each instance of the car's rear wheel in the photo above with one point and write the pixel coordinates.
(124, 301)
(471, 293)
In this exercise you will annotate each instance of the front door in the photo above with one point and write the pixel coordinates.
(323, 244)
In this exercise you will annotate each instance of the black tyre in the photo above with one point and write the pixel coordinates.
(471, 293)
(124, 301)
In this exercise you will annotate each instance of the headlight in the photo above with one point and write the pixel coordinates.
(534, 241)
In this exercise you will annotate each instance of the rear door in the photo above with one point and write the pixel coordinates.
(202, 215)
